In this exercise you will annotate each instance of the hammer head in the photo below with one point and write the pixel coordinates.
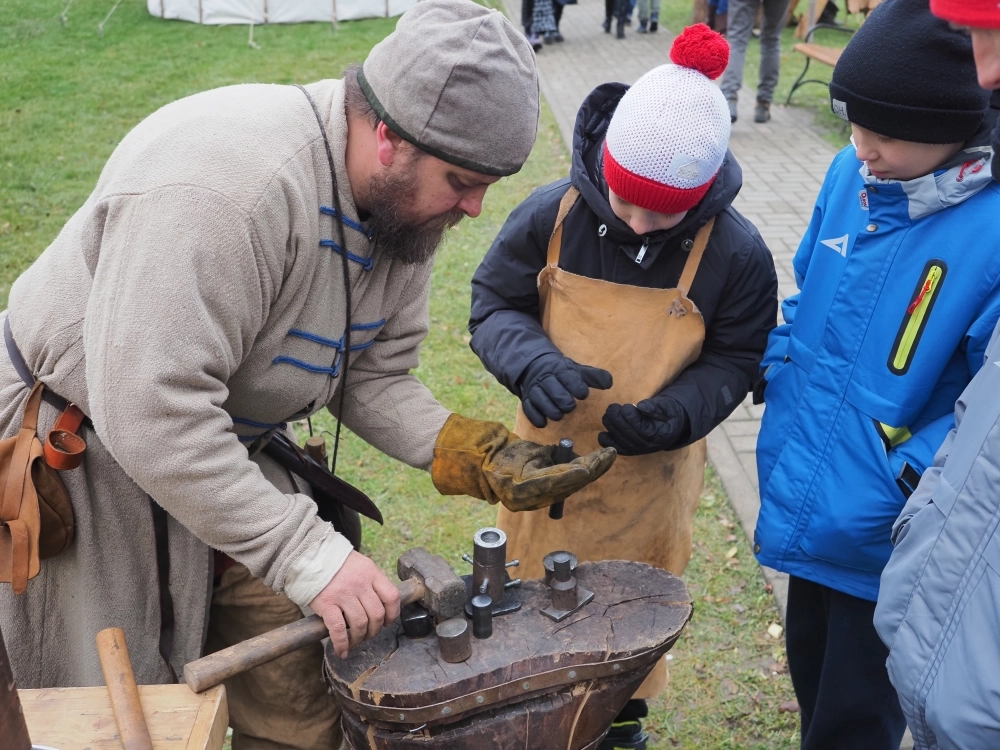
(444, 595)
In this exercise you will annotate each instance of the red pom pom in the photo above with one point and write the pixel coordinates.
(701, 48)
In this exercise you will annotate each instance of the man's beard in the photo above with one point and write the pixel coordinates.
(389, 197)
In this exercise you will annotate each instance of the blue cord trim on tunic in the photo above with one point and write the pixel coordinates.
(346, 220)
(321, 369)
(338, 344)
(368, 326)
(315, 337)
(365, 263)
(262, 425)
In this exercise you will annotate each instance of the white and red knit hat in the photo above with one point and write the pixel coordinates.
(669, 134)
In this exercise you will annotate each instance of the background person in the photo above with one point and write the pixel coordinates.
(739, 26)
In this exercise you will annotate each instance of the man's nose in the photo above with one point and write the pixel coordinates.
(472, 205)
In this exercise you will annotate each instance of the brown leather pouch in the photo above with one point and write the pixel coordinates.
(36, 517)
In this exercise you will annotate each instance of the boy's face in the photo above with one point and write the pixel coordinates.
(642, 220)
(893, 159)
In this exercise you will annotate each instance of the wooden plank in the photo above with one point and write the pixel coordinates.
(826, 55)
(82, 718)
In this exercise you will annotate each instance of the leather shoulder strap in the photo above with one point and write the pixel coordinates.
(695, 256)
(18, 470)
(555, 242)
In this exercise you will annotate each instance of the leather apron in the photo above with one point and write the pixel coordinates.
(643, 508)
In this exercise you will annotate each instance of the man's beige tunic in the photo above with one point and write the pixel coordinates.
(191, 304)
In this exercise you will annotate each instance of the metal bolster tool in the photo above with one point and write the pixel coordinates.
(567, 595)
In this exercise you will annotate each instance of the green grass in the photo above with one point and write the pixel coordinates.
(67, 96)
(676, 14)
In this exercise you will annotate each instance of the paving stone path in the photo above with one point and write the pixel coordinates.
(783, 166)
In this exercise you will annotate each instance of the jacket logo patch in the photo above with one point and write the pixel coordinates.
(863, 199)
(602, 230)
(839, 244)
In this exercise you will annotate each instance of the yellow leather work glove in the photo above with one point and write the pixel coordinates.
(484, 460)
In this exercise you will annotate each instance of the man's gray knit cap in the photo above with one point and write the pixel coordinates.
(458, 81)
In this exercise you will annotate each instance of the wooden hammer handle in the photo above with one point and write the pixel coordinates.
(209, 671)
(120, 679)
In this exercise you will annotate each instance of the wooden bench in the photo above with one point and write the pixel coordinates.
(819, 52)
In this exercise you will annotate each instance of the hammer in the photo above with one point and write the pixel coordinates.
(424, 578)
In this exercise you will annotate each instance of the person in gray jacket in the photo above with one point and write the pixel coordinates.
(938, 610)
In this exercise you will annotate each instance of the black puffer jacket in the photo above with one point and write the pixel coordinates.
(735, 288)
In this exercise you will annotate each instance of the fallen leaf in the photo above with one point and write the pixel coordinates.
(734, 590)
(789, 707)
(731, 537)
(731, 552)
(739, 608)
(768, 588)
(777, 667)
(775, 630)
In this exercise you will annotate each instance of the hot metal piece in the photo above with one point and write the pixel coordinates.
(416, 621)
(482, 616)
(454, 640)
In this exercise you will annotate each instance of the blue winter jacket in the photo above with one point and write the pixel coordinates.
(899, 293)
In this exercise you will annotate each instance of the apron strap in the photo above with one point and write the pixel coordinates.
(694, 257)
(555, 242)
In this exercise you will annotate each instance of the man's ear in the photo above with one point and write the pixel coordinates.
(388, 144)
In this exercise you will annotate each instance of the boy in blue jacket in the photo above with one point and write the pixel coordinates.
(898, 273)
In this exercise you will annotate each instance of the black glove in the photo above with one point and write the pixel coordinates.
(552, 384)
(656, 424)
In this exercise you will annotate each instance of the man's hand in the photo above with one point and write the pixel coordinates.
(656, 424)
(484, 460)
(552, 384)
(356, 603)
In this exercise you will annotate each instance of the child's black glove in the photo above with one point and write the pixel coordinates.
(656, 424)
(552, 384)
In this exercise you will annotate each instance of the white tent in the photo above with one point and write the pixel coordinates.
(275, 11)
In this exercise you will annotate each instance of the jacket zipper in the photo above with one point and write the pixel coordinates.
(642, 251)
(915, 319)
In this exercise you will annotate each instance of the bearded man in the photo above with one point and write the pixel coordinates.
(246, 251)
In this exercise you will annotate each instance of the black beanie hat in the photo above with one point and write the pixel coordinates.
(907, 74)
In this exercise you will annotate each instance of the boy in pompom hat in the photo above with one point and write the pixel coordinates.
(629, 306)
(900, 290)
